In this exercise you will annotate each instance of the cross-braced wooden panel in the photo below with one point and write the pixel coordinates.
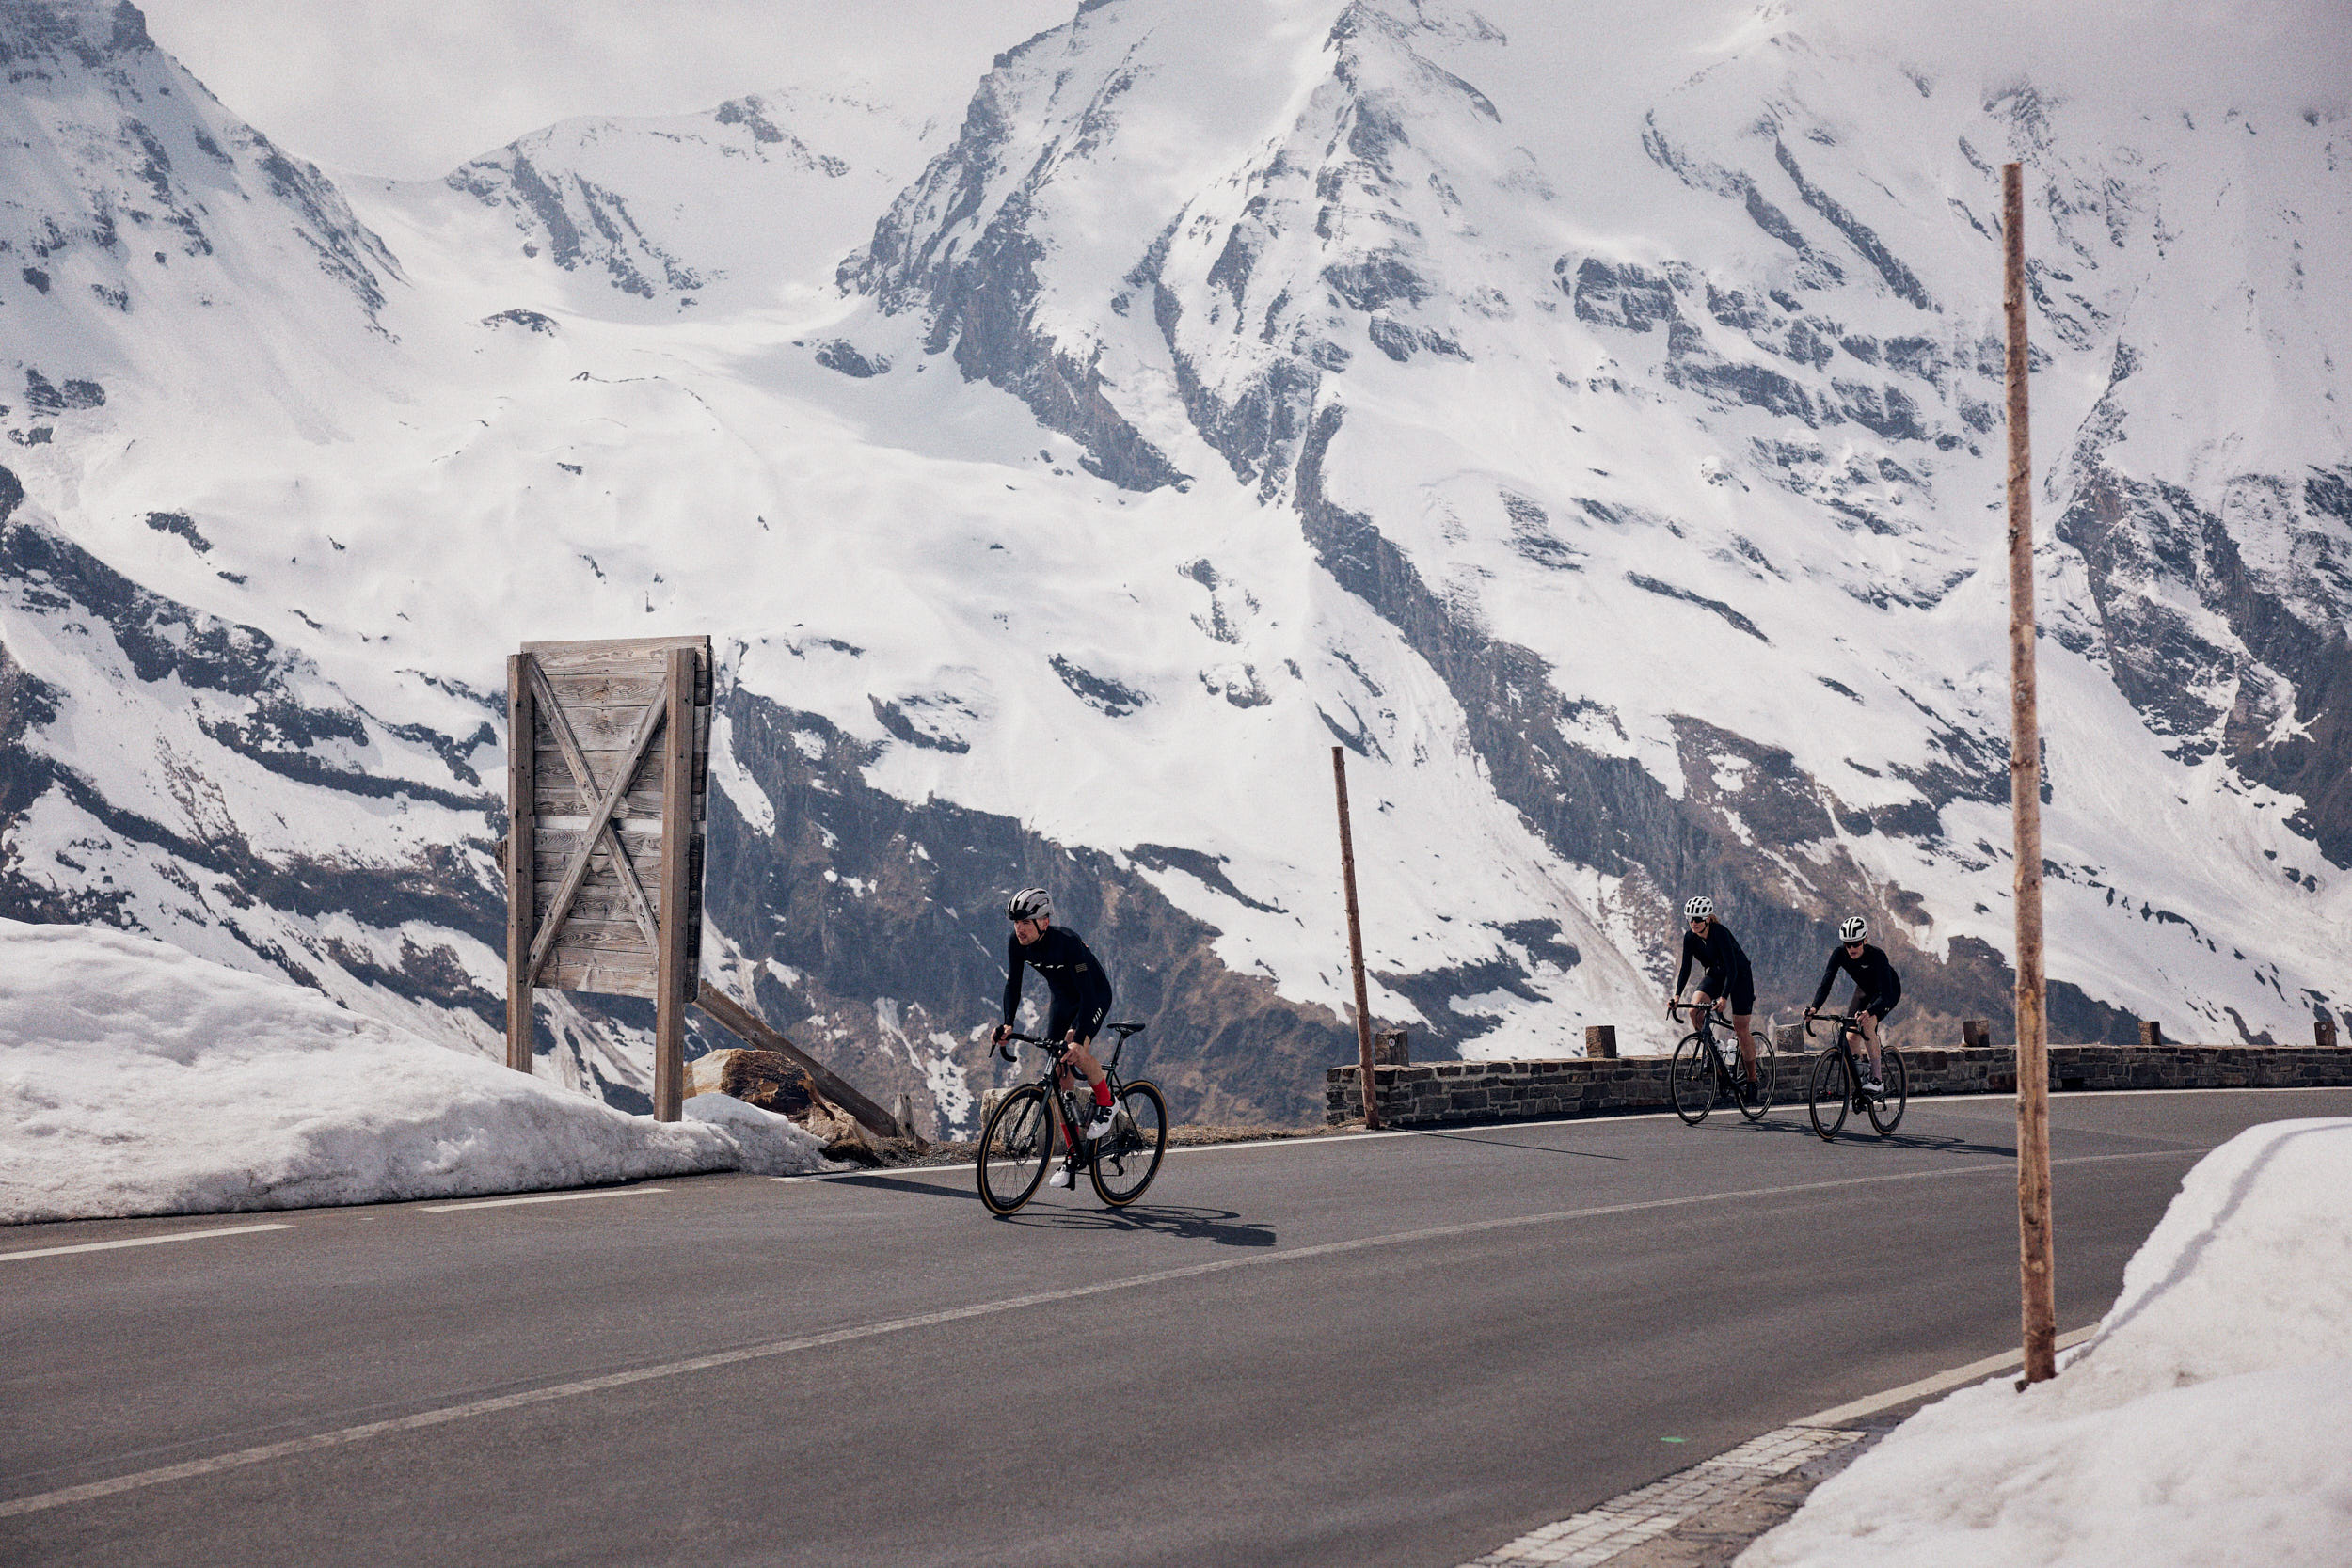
(607, 798)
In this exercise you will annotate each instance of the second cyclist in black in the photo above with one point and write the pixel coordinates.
(1724, 973)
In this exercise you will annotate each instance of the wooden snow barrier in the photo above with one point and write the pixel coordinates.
(608, 778)
(1447, 1094)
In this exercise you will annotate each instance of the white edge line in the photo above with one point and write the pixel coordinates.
(141, 1240)
(1871, 1405)
(1346, 1135)
(538, 1197)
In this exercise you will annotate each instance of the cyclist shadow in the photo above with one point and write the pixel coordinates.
(1184, 1223)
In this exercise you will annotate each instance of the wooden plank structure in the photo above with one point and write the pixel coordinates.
(608, 778)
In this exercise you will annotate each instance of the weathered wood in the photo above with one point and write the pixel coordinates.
(675, 984)
(653, 715)
(1601, 1042)
(2323, 1033)
(521, 896)
(2151, 1034)
(565, 974)
(753, 1031)
(648, 653)
(1354, 938)
(2036, 1245)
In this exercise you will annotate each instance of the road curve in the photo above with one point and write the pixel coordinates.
(1378, 1349)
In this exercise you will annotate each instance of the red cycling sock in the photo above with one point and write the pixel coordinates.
(1102, 1092)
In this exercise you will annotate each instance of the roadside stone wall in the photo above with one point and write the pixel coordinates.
(1437, 1094)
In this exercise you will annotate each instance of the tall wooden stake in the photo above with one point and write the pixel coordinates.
(1355, 942)
(522, 914)
(2037, 1272)
(674, 986)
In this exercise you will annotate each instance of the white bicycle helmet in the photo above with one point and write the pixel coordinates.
(1701, 908)
(1030, 903)
(1853, 930)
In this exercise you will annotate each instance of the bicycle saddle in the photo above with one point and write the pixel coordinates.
(1123, 1030)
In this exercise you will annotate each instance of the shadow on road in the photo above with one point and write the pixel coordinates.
(1221, 1226)
(900, 1184)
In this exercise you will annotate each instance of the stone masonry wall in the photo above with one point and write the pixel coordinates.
(1451, 1093)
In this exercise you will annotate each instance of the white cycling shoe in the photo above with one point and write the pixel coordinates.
(1106, 1118)
(1061, 1177)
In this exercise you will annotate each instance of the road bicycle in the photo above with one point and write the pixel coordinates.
(1837, 1082)
(1025, 1129)
(1706, 1067)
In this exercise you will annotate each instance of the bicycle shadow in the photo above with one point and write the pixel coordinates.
(1513, 1142)
(1178, 1222)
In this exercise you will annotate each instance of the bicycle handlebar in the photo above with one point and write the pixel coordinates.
(1811, 1018)
(1695, 1009)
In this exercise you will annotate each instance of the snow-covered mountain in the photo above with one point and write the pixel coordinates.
(1592, 424)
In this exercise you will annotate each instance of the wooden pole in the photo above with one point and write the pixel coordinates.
(673, 986)
(2036, 1246)
(1355, 942)
(522, 783)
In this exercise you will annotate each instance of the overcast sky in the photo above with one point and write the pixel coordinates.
(414, 88)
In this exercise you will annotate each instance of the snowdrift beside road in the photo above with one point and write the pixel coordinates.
(136, 1079)
(2204, 1423)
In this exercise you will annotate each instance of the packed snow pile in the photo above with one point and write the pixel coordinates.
(2206, 1422)
(138, 1078)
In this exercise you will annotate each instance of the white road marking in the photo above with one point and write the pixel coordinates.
(1839, 1415)
(141, 1240)
(538, 1197)
(93, 1490)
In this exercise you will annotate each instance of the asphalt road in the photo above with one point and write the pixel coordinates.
(1376, 1350)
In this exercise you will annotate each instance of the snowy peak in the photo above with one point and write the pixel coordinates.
(145, 228)
(761, 193)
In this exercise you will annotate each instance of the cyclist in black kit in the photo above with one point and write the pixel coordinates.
(1876, 988)
(1080, 996)
(1724, 973)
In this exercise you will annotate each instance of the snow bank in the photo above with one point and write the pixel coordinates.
(2206, 1422)
(138, 1079)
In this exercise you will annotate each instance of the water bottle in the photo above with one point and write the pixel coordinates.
(1722, 1051)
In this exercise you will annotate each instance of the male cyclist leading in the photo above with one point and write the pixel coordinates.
(1080, 1000)
(1724, 973)
(1876, 989)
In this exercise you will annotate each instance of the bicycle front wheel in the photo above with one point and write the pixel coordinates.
(1887, 1111)
(1015, 1149)
(1833, 1089)
(1755, 1102)
(1691, 1078)
(1126, 1157)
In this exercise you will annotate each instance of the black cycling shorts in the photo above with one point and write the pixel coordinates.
(1875, 1008)
(1062, 1017)
(1738, 991)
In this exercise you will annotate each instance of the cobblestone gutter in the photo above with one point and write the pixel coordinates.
(1441, 1094)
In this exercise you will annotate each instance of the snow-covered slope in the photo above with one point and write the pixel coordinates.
(2204, 1423)
(1587, 421)
(138, 1078)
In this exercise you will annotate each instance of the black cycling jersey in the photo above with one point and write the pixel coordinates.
(1723, 964)
(1876, 986)
(1081, 991)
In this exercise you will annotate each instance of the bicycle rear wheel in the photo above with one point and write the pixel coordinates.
(1015, 1149)
(1690, 1079)
(1833, 1090)
(1754, 1105)
(1886, 1113)
(1126, 1157)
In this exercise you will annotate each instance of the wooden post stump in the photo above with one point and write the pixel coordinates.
(1389, 1047)
(1975, 1034)
(1601, 1042)
(2151, 1034)
(2323, 1033)
(1788, 1039)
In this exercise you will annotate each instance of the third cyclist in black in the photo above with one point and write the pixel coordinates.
(1876, 986)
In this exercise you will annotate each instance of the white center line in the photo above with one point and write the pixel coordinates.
(92, 1490)
(141, 1240)
(538, 1197)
